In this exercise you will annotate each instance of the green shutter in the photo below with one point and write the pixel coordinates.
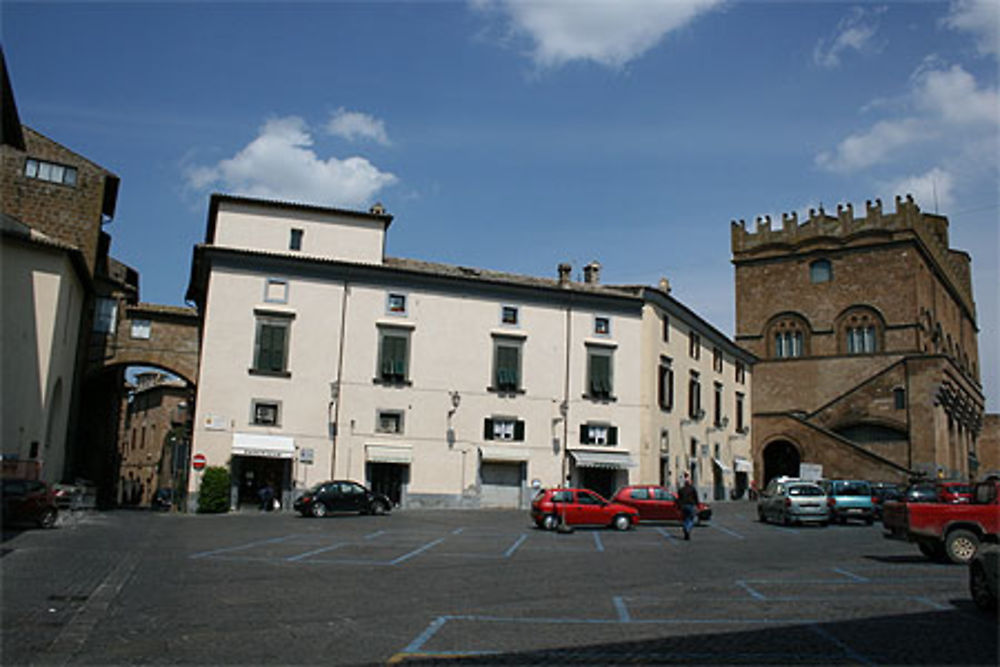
(507, 366)
(584, 435)
(277, 348)
(600, 375)
(519, 430)
(393, 364)
(612, 435)
(488, 429)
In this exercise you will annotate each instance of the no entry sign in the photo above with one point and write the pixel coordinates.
(198, 461)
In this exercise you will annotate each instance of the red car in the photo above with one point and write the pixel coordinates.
(579, 507)
(28, 501)
(656, 503)
(954, 492)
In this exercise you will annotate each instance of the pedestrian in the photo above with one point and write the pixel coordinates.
(687, 496)
(266, 495)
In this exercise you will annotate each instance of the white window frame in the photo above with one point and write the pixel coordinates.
(141, 329)
(276, 283)
(397, 312)
(259, 403)
(397, 414)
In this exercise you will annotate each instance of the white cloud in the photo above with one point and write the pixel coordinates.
(354, 125)
(931, 191)
(954, 96)
(605, 32)
(280, 164)
(854, 32)
(874, 146)
(979, 17)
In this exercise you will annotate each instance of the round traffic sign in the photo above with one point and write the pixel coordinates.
(198, 461)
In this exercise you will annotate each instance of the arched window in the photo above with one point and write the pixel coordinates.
(821, 271)
(788, 337)
(860, 331)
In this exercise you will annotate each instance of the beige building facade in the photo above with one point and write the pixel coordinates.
(442, 386)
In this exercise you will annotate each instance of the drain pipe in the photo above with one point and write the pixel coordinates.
(336, 395)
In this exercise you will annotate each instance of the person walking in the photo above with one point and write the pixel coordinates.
(687, 497)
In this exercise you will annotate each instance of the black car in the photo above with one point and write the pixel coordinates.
(29, 501)
(883, 491)
(341, 496)
(921, 492)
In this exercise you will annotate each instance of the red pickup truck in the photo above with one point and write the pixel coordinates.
(947, 530)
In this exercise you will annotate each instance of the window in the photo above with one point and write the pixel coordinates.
(821, 271)
(861, 340)
(50, 172)
(694, 346)
(899, 398)
(740, 427)
(717, 359)
(602, 326)
(503, 428)
(265, 413)
(506, 365)
(741, 372)
(599, 374)
(598, 434)
(276, 291)
(141, 329)
(389, 421)
(393, 355)
(694, 397)
(666, 328)
(788, 344)
(587, 498)
(509, 315)
(395, 304)
(105, 315)
(717, 412)
(271, 345)
(665, 388)
(640, 494)
(295, 239)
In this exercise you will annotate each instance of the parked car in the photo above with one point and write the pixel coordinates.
(341, 496)
(983, 577)
(579, 507)
(656, 503)
(790, 501)
(954, 492)
(28, 501)
(952, 531)
(920, 492)
(849, 499)
(881, 492)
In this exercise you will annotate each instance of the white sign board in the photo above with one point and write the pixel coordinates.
(811, 471)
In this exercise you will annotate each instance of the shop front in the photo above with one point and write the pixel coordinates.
(387, 470)
(601, 472)
(261, 467)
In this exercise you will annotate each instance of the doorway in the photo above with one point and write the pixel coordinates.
(781, 458)
(389, 479)
(251, 473)
(600, 480)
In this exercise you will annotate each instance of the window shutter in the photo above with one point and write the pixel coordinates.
(584, 435)
(519, 430)
(488, 429)
(612, 435)
(670, 389)
(277, 348)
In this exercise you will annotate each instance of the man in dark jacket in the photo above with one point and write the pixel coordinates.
(687, 497)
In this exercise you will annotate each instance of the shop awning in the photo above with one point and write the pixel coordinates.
(389, 453)
(612, 460)
(722, 466)
(512, 453)
(742, 465)
(270, 446)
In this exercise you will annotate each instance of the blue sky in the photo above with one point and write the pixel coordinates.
(514, 135)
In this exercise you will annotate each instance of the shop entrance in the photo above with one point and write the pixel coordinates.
(600, 480)
(390, 479)
(251, 473)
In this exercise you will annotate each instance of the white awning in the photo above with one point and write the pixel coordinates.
(612, 460)
(389, 453)
(742, 465)
(722, 466)
(512, 453)
(270, 446)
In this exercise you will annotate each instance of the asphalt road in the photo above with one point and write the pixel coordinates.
(481, 587)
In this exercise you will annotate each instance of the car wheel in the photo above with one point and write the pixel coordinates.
(550, 522)
(318, 510)
(622, 522)
(961, 546)
(980, 588)
(785, 519)
(379, 508)
(760, 515)
(48, 519)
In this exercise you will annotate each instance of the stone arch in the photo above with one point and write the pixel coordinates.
(781, 456)
(860, 330)
(792, 328)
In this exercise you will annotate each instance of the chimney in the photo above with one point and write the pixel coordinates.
(664, 285)
(377, 209)
(564, 270)
(592, 273)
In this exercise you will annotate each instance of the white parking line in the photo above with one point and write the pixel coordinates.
(597, 541)
(623, 614)
(729, 532)
(292, 559)
(415, 552)
(513, 547)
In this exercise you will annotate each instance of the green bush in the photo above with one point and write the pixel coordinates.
(213, 498)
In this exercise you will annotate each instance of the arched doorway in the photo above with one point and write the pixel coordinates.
(781, 457)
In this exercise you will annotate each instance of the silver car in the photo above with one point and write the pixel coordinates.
(789, 501)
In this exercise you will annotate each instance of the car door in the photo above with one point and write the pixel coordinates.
(332, 497)
(589, 508)
(354, 497)
(667, 508)
(641, 499)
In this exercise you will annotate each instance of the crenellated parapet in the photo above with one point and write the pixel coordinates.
(824, 230)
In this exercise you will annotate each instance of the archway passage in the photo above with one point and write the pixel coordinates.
(780, 458)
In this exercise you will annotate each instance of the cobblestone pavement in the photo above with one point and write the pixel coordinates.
(480, 587)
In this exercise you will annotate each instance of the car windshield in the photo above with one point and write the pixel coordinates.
(958, 488)
(852, 489)
(805, 490)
